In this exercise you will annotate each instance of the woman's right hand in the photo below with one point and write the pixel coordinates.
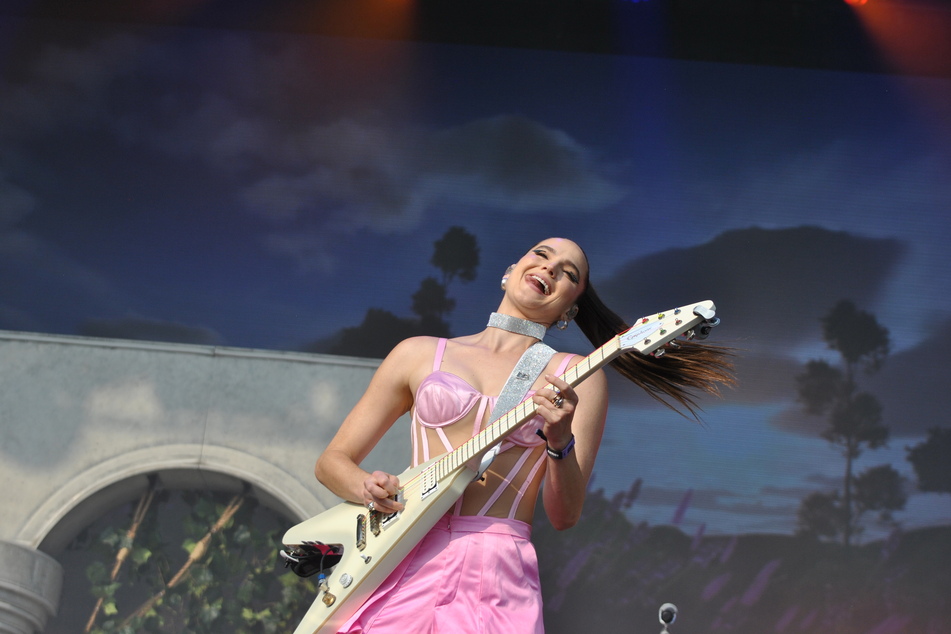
(380, 489)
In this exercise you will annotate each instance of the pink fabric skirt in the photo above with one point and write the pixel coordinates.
(469, 574)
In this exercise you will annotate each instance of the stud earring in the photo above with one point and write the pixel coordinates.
(505, 276)
(562, 323)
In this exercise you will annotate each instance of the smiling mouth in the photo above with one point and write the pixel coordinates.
(542, 284)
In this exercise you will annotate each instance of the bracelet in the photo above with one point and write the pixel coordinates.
(555, 453)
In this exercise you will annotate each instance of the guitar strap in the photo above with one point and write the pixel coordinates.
(523, 376)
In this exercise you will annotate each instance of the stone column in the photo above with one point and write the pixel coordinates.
(30, 585)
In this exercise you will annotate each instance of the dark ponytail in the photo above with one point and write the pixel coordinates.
(676, 375)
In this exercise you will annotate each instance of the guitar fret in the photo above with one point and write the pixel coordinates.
(476, 446)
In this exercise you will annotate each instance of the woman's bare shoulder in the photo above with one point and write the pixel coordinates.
(414, 347)
(410, 354)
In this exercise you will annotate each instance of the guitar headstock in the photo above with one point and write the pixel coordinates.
(650, 334)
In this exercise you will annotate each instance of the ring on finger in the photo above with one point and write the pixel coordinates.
(558, 400)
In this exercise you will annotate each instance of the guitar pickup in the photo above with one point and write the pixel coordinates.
(429, 483)
(375, 522)
(379, 520)
(392, 517)
(389, 519)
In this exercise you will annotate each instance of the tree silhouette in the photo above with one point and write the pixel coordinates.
(856, 335)
(855, 417)
(820, 515)
(431, 299)
(930, 460)
(880, 489)
(456, 254)
(380, 331)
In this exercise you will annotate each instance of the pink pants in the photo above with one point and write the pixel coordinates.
(469, 575)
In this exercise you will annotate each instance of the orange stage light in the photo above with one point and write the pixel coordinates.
(912, 36)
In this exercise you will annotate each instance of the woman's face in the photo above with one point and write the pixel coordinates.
(549, 279)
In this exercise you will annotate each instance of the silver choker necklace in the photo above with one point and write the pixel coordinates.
(517, 325)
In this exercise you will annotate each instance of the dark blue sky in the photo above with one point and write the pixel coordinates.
(264, 190)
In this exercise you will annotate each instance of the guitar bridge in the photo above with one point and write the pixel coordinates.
(361, 537)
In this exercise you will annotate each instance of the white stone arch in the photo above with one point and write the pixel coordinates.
(86, 421)
(30, 590)
(122, 478)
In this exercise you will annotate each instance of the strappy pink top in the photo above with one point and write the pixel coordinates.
(443, 398)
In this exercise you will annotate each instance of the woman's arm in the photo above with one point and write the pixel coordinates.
(388, 397)
(582, 414)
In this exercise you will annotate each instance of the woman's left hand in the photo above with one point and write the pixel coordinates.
(557, 407)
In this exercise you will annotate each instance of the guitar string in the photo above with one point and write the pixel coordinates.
(438, 470)
(520, 414)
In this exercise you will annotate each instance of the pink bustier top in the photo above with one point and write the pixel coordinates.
(443, 398)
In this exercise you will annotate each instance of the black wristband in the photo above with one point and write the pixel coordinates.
(558, 455)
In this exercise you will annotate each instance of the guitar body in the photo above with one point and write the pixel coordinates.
(361, 570)
(371, 545)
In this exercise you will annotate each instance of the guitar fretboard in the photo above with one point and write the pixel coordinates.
(649, 334)
(496, 431)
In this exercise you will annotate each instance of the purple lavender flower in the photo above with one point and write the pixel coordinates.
(633, 493)
(895, 624)
(787, 618)
(713, 588)
(758, 587)
(728, 551)
(698, 537)
(682, 508)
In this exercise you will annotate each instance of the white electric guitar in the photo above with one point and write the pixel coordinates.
(353, 550)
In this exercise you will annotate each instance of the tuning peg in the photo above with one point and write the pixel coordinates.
(703, 330)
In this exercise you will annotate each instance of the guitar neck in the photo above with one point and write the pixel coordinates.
(648, 334)
(495, 432)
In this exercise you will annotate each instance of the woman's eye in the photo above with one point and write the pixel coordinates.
(541, 252)
(572, 277)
